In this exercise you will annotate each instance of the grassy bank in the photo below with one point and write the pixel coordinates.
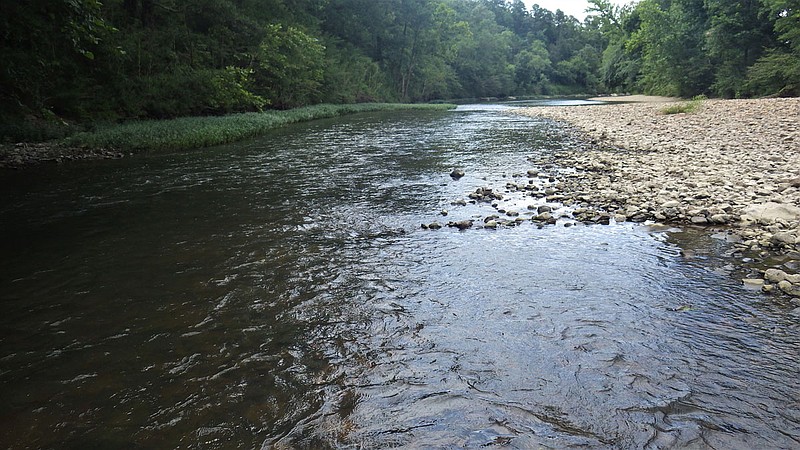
(194, 132)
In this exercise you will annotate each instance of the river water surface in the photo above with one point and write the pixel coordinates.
(280, 293)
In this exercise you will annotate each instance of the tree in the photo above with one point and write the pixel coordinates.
(736, 38)
(532, 67)
(288, 69)
(47, 48)
(778, 71)
(671, 38)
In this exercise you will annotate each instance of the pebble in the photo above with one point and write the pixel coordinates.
(733, 164)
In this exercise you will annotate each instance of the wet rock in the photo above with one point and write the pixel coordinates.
(544, 209)
(490, 224)
(461, 224)
(774, 275)
(457, 173)
(789, 288)
(699, 220)
(434, 226)
(485, 194)
(753, 282)
(459, 202)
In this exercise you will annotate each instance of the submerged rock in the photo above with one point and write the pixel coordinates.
(457, 173)
(461, 224)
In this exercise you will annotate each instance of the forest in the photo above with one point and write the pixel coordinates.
(86, 61)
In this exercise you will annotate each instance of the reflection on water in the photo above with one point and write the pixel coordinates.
(280, 293)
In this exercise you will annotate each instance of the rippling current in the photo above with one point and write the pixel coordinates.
(281, 294)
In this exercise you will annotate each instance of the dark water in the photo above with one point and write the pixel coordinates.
(280, 293)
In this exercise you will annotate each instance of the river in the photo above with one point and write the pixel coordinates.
(281, 293)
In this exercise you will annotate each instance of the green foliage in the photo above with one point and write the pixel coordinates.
(532, 66)
(194, 132)
(177, 58)
(690, 107)
(289, 70)
(33, 129)
(45, 48)
(777, 73)
(671, 36)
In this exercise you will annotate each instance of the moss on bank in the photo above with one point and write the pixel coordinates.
(195, 132)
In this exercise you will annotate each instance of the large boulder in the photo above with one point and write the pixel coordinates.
(769, 212)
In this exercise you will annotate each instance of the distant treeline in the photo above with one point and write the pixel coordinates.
(90, 61)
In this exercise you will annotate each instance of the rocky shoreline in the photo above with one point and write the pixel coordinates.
(733, 164)
(18, 156)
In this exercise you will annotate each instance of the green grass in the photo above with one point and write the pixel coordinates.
(690, 107)
(195, 132)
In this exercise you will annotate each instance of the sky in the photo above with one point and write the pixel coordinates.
(570, 7)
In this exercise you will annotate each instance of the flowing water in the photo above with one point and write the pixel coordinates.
(281, 294)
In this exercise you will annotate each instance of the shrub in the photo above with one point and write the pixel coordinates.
(690, 107)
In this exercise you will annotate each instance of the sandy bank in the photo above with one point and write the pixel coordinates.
(734, 163)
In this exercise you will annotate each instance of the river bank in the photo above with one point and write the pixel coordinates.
(733, 164)
(185, 133)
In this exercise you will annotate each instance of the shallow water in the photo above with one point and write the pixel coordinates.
(281, 293)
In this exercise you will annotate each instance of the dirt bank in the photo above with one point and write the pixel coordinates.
(733, 163)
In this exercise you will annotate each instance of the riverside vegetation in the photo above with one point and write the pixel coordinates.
(70, 64)
(181, 133)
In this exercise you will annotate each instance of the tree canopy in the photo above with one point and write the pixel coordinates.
(87, 60)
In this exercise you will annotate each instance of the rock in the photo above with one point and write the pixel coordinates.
(770, 212)
(699, 220)
(774, 275)
(783, 238)
(544, 217)
(457, 173)
(671, 204)
(444, 212)
(719, 219)
(789, 288)
(794, 279)
(434, 226)
(544, 209)
(753, 282)
(459, 202)
(490, 224)
(461, 224)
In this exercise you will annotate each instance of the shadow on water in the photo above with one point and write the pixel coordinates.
(280, 293)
